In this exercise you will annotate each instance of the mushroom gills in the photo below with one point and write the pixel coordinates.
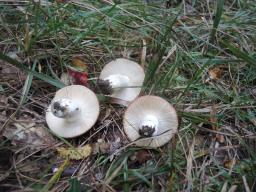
(116, 82)
(105, 87)
(149, 126)
(65, 108)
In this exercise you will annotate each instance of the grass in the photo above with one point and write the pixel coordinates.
(215, 147)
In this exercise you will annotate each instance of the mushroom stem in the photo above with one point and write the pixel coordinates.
(65, 108)
(149, 126)
(118, 81)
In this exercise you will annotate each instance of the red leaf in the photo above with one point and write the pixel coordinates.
(80, 78)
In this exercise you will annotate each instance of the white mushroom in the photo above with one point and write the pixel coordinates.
(150, 121)
(73, 111)
(121, 79)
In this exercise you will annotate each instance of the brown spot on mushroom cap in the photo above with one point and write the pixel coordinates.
(150, 105)
(88, 104)
(128, 68)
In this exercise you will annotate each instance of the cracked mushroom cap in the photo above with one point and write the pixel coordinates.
(150, 121)
(133, 73)
(73, 111)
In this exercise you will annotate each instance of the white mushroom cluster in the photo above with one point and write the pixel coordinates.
(149, 121)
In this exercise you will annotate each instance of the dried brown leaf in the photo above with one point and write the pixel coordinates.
(100, 147)
(30, 134)
(79, 64)
(215, 73)
(142, 156)
(229, 163)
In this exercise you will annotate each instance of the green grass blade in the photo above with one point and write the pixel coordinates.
(55, 177)
(219, 11)
(27, 85)
(141, 177)
(160, 48)
(240, 54)
(43, 77)
(74, 185)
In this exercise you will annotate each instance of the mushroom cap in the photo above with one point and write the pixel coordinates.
(128, 68)
(150, 105)
(88, 104)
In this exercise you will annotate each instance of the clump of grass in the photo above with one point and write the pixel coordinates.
(184, 41)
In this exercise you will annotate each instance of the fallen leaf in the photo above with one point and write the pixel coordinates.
(9, 73)
(79, 78)
(101, 147)
(76, 74)
(215, 73)
(229, 163)
(141, 156)
(79, 64)
(9, 69)
(75, 153)
(30, 134)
